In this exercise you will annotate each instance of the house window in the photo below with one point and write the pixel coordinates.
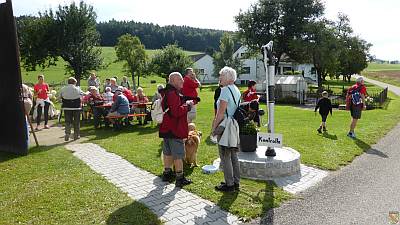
(199, 71)
(246, 70)
(313, 70)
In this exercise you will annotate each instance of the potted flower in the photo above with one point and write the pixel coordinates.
(248, 137)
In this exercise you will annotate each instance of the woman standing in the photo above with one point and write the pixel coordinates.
(41, 90)
(227, 104)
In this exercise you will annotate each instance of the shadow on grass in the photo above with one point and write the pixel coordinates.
(268, 203)
(329, 136)
(368, 149)
(5, 156)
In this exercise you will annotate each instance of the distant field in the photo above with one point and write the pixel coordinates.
(56, 74)
(389, 73)
(382, 67)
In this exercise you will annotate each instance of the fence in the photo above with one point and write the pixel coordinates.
(374, 100)
(287, 97)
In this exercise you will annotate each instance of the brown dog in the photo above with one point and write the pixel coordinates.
(192, 145)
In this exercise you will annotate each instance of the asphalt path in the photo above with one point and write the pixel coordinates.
(362, 193)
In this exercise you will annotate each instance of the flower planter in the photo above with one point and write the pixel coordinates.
(248, 143)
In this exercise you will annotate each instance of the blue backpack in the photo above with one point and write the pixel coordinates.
(356, 96)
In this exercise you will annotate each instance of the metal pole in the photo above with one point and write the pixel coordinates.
(269, 64)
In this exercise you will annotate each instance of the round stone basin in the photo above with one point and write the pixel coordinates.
(255, 165)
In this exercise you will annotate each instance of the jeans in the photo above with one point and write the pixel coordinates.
(230, 165)
(46, 113)
(72, 118)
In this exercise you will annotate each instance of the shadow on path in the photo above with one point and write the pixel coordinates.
(368, 149)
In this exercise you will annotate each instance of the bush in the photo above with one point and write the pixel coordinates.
(288, 100)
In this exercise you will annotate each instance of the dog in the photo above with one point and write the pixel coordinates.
(192, 145)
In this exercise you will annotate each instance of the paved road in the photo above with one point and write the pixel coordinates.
(362, 193)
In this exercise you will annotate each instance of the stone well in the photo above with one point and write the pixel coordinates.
(255, 165)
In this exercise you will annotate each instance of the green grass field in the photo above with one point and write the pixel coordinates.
(56, 74)
(381, 67)
(51, 186)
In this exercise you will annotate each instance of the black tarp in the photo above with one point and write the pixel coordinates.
(13, 136)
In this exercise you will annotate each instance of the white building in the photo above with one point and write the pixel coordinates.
(204, 68)
(253, 67)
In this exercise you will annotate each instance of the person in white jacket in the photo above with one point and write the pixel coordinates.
(228, 141)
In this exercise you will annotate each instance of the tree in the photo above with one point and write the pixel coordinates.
(224, 57)
(69, 33)
(170, 59)
(279, 20)
(319, 45)
(131, 50)
(354, 53)
(354, 57)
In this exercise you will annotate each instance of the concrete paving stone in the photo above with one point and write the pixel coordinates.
(175, 206)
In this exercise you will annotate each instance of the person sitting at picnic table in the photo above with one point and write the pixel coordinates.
(125, 83)
(93, 80)
(107, 84)
(120, 105)
(94, 99)
(128, 94)
(140, 97)
(113, 85)
(157, 94)
(108, 96)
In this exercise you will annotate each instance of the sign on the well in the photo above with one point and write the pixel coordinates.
(269, 140)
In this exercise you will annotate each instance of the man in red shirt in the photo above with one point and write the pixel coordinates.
(357, 94)
(190, 85)
(41, 90)
(174, 128)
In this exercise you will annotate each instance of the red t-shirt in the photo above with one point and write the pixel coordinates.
(189, 87)
(128, 94)
(363, 89)
(142, 99)
(41, 90)
(249, 95)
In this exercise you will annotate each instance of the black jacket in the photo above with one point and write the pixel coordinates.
(324, 105)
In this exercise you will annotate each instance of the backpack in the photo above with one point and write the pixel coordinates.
(240, 114)
(356, 96)
(157, 112)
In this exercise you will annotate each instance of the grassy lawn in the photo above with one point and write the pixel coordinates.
(51, 186)
(142, 147)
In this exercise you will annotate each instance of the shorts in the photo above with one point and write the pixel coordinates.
(324, 117)
(174, 147)
(355, 112)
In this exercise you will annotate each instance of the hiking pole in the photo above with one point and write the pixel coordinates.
(269, 64)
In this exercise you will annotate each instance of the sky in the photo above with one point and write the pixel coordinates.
(376, 21)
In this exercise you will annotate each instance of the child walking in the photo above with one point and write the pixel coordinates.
(325, 107)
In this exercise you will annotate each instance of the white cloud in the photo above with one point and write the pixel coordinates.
(374, 21)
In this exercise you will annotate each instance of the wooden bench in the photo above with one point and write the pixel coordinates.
(126, 116)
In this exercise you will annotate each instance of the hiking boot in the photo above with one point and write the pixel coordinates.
(167, 176)
(66, 138)
(180, 182)
(235, 185)
(225, 188)
(319, 130)
(324, 129)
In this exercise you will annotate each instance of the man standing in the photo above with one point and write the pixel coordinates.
(71, 104)
(190, 85)
(356, 94)
(174, 128)
(93, 81)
